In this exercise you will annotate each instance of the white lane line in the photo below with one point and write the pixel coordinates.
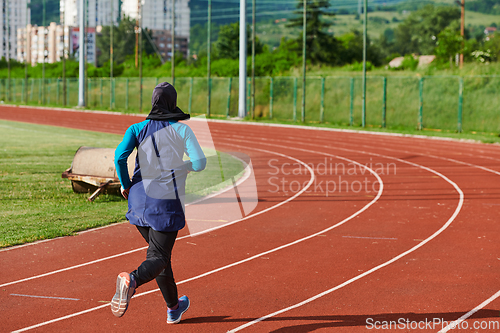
(369, 237)
(376, 268)
(250, 258)
(457, 322)
(50, 297)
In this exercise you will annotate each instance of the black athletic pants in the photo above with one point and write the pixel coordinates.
(157, 264)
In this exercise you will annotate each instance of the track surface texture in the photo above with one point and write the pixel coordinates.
(418, 244)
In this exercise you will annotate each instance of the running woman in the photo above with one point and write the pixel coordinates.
(156, 195)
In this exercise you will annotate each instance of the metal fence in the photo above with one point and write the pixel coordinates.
(469, 103)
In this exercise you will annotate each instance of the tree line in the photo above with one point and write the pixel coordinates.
(430, 30)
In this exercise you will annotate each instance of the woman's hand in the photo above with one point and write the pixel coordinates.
(125, 192)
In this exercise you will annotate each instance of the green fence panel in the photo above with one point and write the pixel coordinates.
(481, 100)
(402, 101)
(440, 102)
(337, 100)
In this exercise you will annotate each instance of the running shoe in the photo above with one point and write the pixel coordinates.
(125, 289)
(174, 316)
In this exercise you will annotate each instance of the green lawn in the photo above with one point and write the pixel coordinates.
(36, 203)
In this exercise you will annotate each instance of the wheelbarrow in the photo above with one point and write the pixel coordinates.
(93, 171)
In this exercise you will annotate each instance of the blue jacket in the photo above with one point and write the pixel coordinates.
(157, 187)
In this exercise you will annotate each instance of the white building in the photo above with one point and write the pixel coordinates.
(157, 14)
(98, 11)
(16, 11)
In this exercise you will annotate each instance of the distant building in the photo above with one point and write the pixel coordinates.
(17, 14)
(157, 16)
(98, 11)
(490, 30)
(47, 44)
(163, 41)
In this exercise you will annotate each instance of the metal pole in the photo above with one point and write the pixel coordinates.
(209, 42)
(460, 103)
(252, 101)
(384, 102)
(462, 31)
(294, 99)
(229, 97)
(190, 95)
(351, 112)
(43, 50)
(322, 108)
(173, 42)
(304, 32)
(140, 57)
(64, 55)
(363, 120)
(243, 60)
(111, 55)
(7, 9)
(26, 53)
(81, 54)
(421, 104)
(271, 95)
(126, 94)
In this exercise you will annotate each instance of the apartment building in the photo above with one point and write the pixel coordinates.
(14, 15)
(98, 12)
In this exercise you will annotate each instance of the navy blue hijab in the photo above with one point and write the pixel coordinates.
(164, 104)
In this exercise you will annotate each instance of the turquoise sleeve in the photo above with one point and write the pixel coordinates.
(122, 152)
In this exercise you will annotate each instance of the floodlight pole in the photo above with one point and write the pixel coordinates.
(363, 120)
(26, 55)
(462, 31)
(81, 56)
(242, 107)
(140, 56)
(304, 34)
(8, 50)
(173, 42)
(43, 53)
(63, 19)
(209, 51)
(252, 102)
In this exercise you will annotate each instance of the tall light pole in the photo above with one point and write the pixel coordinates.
(26, 54)
(462, 31)
(140, 56)
(63, 22)
(304, 34)
(209, 48)
(363, 120)
(242, 106)
(43, 50)
(252, 102)
(7, 9)
(81, 56)
(173, 42)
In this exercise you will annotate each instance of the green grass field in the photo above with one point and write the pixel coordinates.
(36, 203)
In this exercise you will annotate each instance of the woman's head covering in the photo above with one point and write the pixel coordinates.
(164, 102)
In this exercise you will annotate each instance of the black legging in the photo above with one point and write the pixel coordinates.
(157, 264)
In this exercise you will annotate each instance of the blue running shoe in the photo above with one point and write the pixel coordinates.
(125, 289)
(174, 316)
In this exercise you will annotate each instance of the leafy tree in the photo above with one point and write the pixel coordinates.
(123, 42)
(448, 44)
(415, 34)
(228, 43)
(351, 49)
(51, 12)
(321, 46)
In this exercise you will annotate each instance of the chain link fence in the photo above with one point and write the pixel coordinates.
(469, 103)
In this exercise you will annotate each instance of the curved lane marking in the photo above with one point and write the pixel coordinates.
(376, 268)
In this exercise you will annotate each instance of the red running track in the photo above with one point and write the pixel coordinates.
(419, 249)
